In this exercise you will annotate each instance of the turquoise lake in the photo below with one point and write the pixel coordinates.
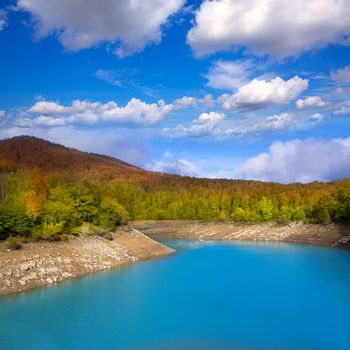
(211, 295)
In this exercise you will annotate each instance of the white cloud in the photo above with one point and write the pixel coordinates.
(82, 24)
(208, 167)
(316, 117)
(211, 117)
(47, 108)
(311, 101)
(214, 124)
(204, 125)
(111, 76)
(189, 101)
(135, 112)
(229, 75)
(300, 161)
(278, 28)
(207, 100)
(2, 113)
(277, 121)
(342, 108)
(184, 102)
(174, 165)
(3, 19)
(272, 124)
(260, 93)
(341, 75)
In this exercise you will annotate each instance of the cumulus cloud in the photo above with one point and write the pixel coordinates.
(189, 101)
(174, 165)
(184, 102)
(82, 24)
(276, 123)
(311, 101)
(229, 75)
(214, 124)
(341, 75)
(135, 112)
(207, 100)
(260, 93)
(204, 125)
(300, 161)
(211, 117)
(47, 108)
(278, 28)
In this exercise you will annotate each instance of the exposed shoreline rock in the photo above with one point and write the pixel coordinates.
(332, 235)
(44, 263)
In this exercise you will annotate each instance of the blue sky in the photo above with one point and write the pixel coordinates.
(229, 88)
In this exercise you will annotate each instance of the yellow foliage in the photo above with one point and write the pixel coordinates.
(34, 203)
(37, 193)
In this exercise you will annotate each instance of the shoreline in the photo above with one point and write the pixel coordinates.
(44, 263)
(40, 264)
(331, 235)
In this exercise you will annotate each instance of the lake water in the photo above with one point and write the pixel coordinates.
(210, 295)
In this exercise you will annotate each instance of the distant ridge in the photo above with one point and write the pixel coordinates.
(27, 152)
(30, 152)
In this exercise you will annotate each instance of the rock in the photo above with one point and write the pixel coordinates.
(26, 266)
(8, 283)
(28, 278)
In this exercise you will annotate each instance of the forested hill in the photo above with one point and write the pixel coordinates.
(30, 152)
(49, 191)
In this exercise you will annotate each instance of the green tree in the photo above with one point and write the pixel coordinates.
(111, 213)
(266, 208)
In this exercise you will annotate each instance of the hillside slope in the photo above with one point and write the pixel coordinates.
(30, 152)
(104, 191)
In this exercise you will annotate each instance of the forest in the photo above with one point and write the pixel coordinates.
(39, 205)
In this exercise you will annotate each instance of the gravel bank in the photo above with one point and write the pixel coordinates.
(44, 263)
(329, 235)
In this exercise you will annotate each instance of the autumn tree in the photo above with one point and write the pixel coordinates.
(37, 193)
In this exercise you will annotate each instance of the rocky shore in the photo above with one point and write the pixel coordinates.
(44, 263)
(328, 235)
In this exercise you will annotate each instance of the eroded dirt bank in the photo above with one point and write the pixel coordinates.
(330, 235)
(42, 263)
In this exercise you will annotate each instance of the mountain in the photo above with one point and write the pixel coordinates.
(29, 152)
(148, 196)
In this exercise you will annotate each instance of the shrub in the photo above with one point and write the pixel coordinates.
(51, 232)
(12, 244)
(108, 235)
(111, 213)
(64, 237)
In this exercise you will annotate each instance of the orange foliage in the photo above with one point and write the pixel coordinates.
(38, 191)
